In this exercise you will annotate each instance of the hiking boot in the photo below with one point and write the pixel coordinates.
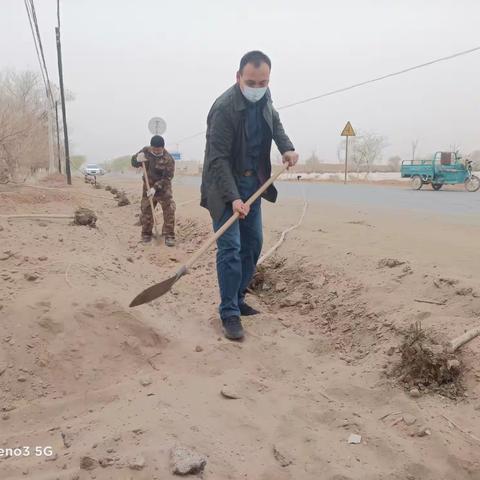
(170, 241)
(146, 238)
(232, 328)
(247, 310)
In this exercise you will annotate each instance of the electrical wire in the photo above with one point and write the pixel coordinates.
(360, 84)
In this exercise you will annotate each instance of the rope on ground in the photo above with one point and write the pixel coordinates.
(56, 189)
(37, 215)
(284, 233)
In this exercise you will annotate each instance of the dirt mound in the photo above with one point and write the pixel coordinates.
(85, 216)
(53, 180)
(189, 230)
(122, 199)
(427, 366)
(61, 349)
(308, 299)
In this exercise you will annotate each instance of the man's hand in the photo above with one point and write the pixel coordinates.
(290, 158)
(151, 192)
(141, 157)
(242, 208)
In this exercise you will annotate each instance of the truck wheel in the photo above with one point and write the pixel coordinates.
(472, 184)
(437, 186)
(417, 182)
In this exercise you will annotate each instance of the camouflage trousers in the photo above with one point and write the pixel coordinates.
(165, 198)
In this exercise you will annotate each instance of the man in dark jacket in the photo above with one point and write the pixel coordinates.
(160, 170)
(240, 128)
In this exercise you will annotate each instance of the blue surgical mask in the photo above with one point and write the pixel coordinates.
(253, 94)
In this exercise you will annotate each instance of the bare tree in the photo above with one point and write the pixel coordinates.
(475, 158)
(23, 125)
(364, 150)
(394, 163)
(312, 163)
(414, 147)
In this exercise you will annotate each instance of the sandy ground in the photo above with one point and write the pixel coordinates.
(82, 374)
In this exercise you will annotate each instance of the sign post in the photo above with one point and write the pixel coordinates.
(157, 126)
(347, 132)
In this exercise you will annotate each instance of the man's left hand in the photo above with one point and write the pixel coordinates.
(290, 158)
(151, 192)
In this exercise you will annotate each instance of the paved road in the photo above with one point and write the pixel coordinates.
(444, 202)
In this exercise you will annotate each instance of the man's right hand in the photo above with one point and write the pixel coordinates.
(242, 208)
(141, 158)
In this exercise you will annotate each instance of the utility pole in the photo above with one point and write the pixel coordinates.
(59, 158)
(62, 97)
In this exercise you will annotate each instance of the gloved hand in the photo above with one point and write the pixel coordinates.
(151, 192)
(141, 157)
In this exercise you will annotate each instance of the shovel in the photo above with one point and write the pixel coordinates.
(159, 289)
(147, 183)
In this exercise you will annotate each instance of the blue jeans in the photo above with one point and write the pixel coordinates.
(238, 251)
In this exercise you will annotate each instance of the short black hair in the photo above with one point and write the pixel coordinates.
(256, 57)
(157, 141)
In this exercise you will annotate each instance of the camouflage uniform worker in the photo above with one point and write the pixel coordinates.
(160, 170)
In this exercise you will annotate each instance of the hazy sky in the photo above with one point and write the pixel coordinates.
(127, 61)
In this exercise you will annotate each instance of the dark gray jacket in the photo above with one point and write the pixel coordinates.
(226, 149)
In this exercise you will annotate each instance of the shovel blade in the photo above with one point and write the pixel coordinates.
(153, 292)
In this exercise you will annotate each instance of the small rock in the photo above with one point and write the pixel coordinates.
(229, 393)
(464, 291)
(88, 463)
(280, 286)
(453, 364)
(5, 416)
(409, 419)
(198, 349)
(21, 379)
(130, 259)
(389, 263)
(146, 381)
(354, 439)
(477, 407)
(31, 277)
(137, 463)
(52, 458)
(106, 462)
(391, 351)
(184, 461)
(43, 258)
(415, 393)
(2, 370)
(281, 457)
(423, 432)
(67, 439)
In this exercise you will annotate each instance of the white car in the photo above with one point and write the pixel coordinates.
(92, 169)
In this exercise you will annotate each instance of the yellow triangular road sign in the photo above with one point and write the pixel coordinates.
(348, 131)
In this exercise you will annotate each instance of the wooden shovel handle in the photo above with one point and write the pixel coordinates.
(231, 220)
(147, 183)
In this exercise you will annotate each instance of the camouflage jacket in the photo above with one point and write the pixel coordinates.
(160, 170)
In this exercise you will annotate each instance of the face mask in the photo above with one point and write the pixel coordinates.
(253, 94)
(157, 154)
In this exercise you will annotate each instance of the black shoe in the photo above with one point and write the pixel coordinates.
(170, 241)
(146, 238)
(247, 310)
(232, 327)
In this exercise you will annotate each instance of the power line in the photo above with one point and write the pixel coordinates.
(35, 21)
(383, 77)
(360, 84)
(32, 17)
(36, 45)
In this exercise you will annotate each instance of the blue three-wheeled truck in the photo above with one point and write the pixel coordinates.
(446, 168)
